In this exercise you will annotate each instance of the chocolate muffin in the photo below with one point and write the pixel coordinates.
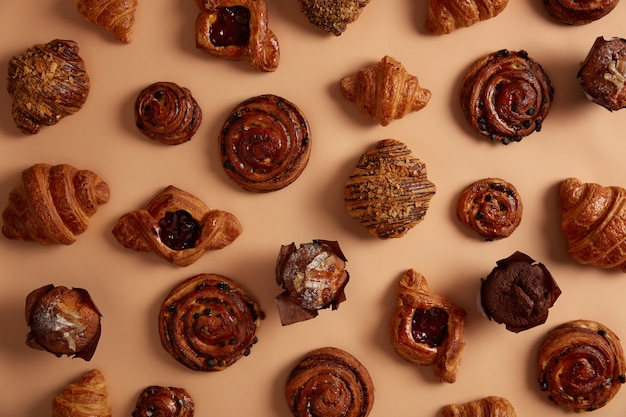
(603, 73)
(518, 293)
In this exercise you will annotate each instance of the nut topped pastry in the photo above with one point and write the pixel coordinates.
(333, 16)
(603, 73)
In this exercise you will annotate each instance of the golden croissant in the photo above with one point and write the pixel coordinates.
(86, 397)
(593, 219)
(385, 91)
(444, 16)
(178, 227)
(53, 204)
(491, 406)
(115, 16)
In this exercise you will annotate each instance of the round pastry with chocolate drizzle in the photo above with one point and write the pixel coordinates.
(579, 12)
(167, 113)
(602, 75)
(506, 96)
(491, 207)
(265, 143)
(164, 401)
(208, 322)
(581, 365)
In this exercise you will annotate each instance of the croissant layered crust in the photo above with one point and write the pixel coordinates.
(445, 16)
(86, 397)
(491, 406)
(164, 401)
(115, 16)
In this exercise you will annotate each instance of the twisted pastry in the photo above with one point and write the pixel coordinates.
(425, 328)
(178, 227)
(167, 113)
(265, 143)
(237, 30)
(85, 397)
(491, 406)
(47, 83)
(506, 96)
(52, 204)
(388, 192)
(164, 402)
(579, 12)
(385, 91)
(208, 322)
(445, 16)
(115, 16)
(593, 220)
(491, 207)
(329, 382)
(581, 365)
(602, 75)
(333, 16)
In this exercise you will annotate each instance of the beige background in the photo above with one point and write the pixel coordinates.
(579, 139)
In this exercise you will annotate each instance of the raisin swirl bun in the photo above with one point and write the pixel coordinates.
(329, 382)
(491, 207)
(208, 322)
(164, 401)
(506, 96)
(167, 113)
(265, 143)
(579, 12)
(581, 365)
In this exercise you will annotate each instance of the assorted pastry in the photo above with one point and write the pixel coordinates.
(332, 16)
(491, 406)
(86, 397)
(115, 16)
(602, 75)
(445, 16)
(573, 12)
(161, 401)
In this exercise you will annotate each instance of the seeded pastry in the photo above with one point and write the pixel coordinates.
(332, 15)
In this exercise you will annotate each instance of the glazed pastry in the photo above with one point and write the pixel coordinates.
(603, 73)
(388, 192)
(237, 30)
(167, 113)
(445, 16)
(593, 220)
(506, 96)
(333, 16)
(53, 204)
(490, 406)
(385, 91)
(86, 397)
(47, 83)
(178, 227)
(63, 321)
(518, 292)
(208, 322)
(581, 365)
(313, 278)
(425, 328)
(491, 207)
(115, 16)
(164, 402)
(265, 143)
(329, 382)
(576, 12)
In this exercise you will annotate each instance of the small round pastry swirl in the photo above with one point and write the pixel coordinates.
(208, 322)
(329, 382)
(581, 365)
(579, 12)
(506, 95)
(167, 113)
(265, 143)
(491, 207)
(164, 401)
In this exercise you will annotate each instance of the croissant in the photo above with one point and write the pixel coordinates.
(47, 83)
(53, 204)
(445, 16)
(491, 406)
(178, 227)
(237, 30)
(86, 397)
(115, 16)
(427, 329)
(385, 91)
(164, 401)
(593, 220)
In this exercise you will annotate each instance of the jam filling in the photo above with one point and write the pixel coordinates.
(430, 326)
(231, 26)
(178, 230)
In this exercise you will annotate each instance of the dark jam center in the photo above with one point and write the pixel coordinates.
(430, 326)
(178, 230)
(231, 26)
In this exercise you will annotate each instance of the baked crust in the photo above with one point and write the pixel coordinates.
(446, 16)
(491, 406)
(577, 12)
(115, 16)
(164, 401)
(602, 75)
(86, 397)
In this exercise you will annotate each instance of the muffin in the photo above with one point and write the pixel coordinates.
(602, 75)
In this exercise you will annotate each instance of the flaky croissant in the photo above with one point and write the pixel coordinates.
(491, 406)
(385, 91)
(444, 16)
(115, 16)
(53, 204)
(593, 219)
(86, 397)
(178, 227)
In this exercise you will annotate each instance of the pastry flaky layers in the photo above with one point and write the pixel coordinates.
(491, 406)
(115, 16)
(445, 16)
(85, 397)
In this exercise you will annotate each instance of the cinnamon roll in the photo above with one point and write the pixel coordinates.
(506, 96)
(491, 207)
(581, 365)
(329, 382)
(265, 143)
(167, 113)
(208, 322)
(332, 16)
(164, 401)
(579, 12)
